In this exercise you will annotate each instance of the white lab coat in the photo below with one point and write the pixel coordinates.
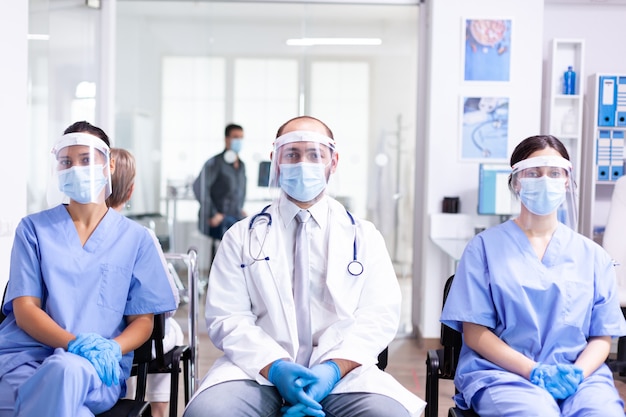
(251, 315)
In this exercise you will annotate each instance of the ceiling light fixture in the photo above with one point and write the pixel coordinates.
(333, 41)
(37, 37)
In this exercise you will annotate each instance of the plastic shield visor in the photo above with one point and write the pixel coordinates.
(301, 147)
(80, 170)
(556, 169)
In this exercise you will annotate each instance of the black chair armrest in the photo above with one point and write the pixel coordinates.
(457, 412)
(383, 359)
(128, 408)
(433, 366)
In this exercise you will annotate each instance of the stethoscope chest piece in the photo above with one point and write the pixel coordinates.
(355, 268)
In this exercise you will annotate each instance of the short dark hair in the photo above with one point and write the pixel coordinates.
(282, 127)
(87, 127)
(230, 127)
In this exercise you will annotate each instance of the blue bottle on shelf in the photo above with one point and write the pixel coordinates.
(569, 81)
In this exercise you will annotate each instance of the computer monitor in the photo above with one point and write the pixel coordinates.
(494, 196)
(264, 173)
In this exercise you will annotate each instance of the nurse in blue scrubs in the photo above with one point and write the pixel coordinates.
(84, 285)
(537, 303)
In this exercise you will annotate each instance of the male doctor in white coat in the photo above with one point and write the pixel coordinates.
(302, 350)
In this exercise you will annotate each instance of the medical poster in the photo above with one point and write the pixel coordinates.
(485, 128)
(487, 50)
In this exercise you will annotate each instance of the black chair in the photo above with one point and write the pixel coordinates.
(169, 363)
(137, 407)
(383, 359)
(441, 364)
(618, 363)
(2, 316)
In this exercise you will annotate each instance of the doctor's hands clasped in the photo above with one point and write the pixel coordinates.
(104, 354)
(561, 381)
(290, 379)
(328, 374)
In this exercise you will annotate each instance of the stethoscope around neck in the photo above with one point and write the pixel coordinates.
(355, 267)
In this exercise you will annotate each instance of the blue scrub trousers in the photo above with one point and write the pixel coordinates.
(248, 398)
(596, 397)
(65, 384)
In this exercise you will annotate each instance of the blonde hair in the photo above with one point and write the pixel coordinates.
(122, 178)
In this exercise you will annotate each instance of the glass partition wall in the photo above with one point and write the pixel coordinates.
(184, 69)
(63, 70)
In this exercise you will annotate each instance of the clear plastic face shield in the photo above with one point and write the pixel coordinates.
(302, 163)
(80, 170)
(545, 186)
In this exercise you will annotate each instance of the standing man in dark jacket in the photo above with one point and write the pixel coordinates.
(221, 188)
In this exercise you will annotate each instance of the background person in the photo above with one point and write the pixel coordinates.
(84, 284)
(221, 187)
(123, 185)
(271, 364)
(537, 303)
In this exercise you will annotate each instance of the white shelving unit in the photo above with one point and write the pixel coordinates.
(603, 150)
(565, 112)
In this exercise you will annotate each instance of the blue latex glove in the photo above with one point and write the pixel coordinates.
(560, 381)
(328, 374)
(89, 341)
(284, 374)
(104, 354)
(83, 342)
(301, 410)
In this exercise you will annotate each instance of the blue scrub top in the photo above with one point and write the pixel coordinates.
(545, 309)
(90, 288)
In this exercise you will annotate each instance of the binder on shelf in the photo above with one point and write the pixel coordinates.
(603, 155)
(617, 155)
(607, 100)
(620, 117)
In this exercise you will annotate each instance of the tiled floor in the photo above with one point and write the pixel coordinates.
(407, 360)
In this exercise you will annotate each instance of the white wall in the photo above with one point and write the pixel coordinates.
(13, 121)
(445, 174)
(600, 25)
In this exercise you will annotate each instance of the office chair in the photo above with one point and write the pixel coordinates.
(383, 359)
(169, 363)
(137, 407)
(441, 364)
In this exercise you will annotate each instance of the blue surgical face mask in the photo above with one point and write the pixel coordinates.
(543, 195)
(80, 185)
(302, 181)
(236, 144)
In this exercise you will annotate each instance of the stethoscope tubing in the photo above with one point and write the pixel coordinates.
(355, 267)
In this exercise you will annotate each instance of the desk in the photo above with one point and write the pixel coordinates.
(453, 247)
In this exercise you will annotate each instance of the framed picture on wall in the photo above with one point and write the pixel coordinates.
(487, 52)
(484, 128)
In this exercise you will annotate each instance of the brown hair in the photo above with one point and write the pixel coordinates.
(122, 178)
